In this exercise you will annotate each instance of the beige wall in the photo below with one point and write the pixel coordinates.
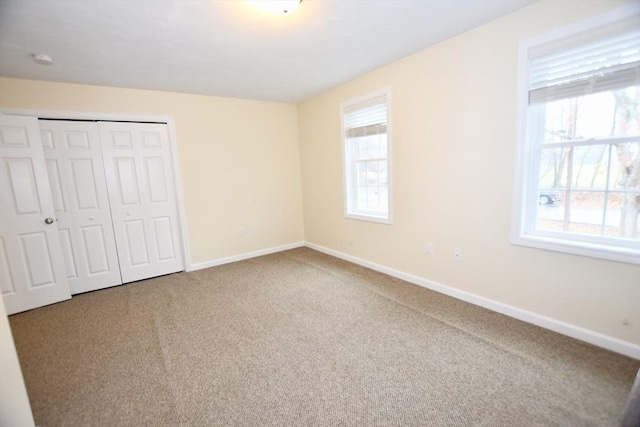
(453, 110)
(238, 159)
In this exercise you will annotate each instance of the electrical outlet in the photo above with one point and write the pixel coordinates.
(241, 232)
(457, 254)
(430, 248)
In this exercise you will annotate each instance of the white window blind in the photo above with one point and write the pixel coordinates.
(589, 66)
(366, 118)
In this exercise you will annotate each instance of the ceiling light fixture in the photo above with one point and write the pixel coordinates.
(280, 7)
(42, 59)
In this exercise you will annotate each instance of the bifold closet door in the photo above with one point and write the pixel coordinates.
(79, 189)
(138, 167)
(31, 265)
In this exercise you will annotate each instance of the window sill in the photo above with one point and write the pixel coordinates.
(593, 250)
(370, 218)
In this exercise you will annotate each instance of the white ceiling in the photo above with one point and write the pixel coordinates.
(226, 48)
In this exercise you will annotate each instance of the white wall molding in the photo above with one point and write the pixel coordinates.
(582, 334)
(247, 255)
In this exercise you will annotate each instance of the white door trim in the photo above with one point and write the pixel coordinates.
(144, 118)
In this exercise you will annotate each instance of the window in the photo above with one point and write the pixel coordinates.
(578, 184)
(365, 126)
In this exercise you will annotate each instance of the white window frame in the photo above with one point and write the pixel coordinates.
(349, 179)
(523, 228)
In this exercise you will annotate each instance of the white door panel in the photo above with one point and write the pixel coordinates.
(33, 272)
(164, 238)
(83, 178)
(55, 182)
(139, 174)
(22, 181)
(67, 253)
(127, 182)
(155, 178)
(76, 172)
(137, 243)
(36, 256)
(96, 252)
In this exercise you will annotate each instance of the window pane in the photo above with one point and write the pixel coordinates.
(372, 147)
(361, 174)
(595, 115)
(625, 166)
(559, 122)
(627, 112)
(589, 166)
(373, 199)
(622, 216)
(367, 147)
(383, 175)
(383, 199)
(550, 215)
(585, 212)
(368, 173)
(599, 115)
(553, 167)
(373, 192)
(582, 213)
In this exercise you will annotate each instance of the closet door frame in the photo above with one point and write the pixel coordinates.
(140, 118)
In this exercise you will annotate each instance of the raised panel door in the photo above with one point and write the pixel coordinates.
(143, 201)
(33, 269)
(76, 172)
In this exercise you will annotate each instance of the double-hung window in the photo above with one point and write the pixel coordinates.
(365, 125)
(578, 183)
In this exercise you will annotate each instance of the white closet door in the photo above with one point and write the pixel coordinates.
(143, 199)
(31, 265)
(79, 189)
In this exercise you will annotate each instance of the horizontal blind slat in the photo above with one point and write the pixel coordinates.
(625, 74)
(366, 130)
(595, 48)
(594, 84)
(593, 66)
(370, 117)
(550, 76)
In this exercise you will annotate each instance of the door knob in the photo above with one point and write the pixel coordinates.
(48, 221)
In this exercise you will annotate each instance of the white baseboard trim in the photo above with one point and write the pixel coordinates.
(582, 334)
(247, 255)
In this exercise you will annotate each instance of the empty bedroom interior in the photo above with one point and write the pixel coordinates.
(261, 177)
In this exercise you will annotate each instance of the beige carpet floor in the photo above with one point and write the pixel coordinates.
(299, 338)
